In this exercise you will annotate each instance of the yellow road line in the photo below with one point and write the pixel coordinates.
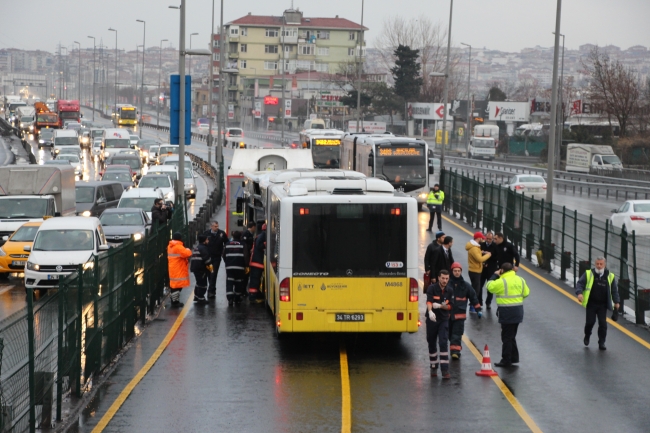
(119, 401)
(346, 405)
(616, 325)
(504, 390)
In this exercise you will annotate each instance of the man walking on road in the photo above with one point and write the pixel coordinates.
(441, 258)
(439, 296)
(217, 239)
(506, 252)
(435, 198)
(596, 289)
(429, 255)
(510, 290)
(489, 267)
(255, 294)
(476, 257)
(463, 292)
(201, 267)
(178, 260)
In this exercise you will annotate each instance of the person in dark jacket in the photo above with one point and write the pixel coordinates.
(489, 268)
(217, 239)
(506, 252)
(257, 268)
(463, 292)
(201, 267)
(248, 237)
(235, 257)
(159, 212)
(439, 297)
(440, 259)
(429, 255)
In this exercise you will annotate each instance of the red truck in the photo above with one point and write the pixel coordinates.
(68, 111)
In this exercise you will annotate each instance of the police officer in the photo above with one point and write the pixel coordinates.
(217, 238)
(439, 297)
(201, 267)
(235, 257)
(510, 290)
(435, 198)
(506, 252)
(257, 268)
(596, 289)
(248, 237)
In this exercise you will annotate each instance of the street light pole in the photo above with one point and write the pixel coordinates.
(469, 109)
(144, 33)
(159, 74)
(550, 181)
(211, 84)
(94, 71)
(359, 69)
(191, 34)
(180, 188)
(219, 154)
(79, 73)
(558, 153)
(446, 95)
(115, 88)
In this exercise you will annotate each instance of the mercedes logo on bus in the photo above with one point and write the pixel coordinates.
(348, 272)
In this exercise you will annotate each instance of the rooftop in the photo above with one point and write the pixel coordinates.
(278, 21)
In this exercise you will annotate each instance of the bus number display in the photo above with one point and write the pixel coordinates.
(400, 151)
(327, 142)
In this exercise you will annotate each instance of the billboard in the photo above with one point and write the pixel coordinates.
(369, 127)
(508, 111)
(427, 111)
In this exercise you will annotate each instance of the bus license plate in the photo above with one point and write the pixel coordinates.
(17, 263)
(354, 317)
(52, 277)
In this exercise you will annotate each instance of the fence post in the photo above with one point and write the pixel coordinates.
(80, 320)
(59, 357)
(575, 246)
(591, 229)
(30, 342)
(639, 310)
(606, 238)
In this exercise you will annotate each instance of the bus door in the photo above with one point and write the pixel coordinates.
(235, 203)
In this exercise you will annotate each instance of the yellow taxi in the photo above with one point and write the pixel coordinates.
(12, 255)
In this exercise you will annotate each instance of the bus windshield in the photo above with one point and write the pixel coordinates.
(69, 114)
(326, 152)
(403, 167)
(127, 114)
(319, 234)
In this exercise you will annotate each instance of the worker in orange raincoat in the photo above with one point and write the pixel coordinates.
(178, 260)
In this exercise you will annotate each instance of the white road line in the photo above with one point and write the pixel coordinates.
(6, 289)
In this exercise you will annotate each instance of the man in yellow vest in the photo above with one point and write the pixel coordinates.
(596, 289)
(435, 198)
(510, 290)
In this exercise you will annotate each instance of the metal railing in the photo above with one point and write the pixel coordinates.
(561, 240)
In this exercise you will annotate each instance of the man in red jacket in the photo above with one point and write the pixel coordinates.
(178, 258)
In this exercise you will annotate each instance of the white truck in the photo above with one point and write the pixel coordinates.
(584, 158)
(32, 192)
(483, 144)
(25, 118)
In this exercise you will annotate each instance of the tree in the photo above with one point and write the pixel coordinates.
(495, 93)
(351, 99)
(614, 86)
(406, 73)
(385, 101)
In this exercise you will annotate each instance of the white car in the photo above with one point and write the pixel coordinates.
(166, 150)
(73, 160)
(141, 198)
(203, 128)
(633, 215)
(161, 181)
(172, 171)
(96, 150)
(529, 184)
(60, 246)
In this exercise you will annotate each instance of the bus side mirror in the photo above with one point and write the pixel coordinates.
(430, 168)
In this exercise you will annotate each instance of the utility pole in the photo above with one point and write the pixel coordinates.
(219, 154)
(94, 72)
(359, 68)
(469, 109)
(144, 33)
(282, 107)
(79, 74)
(446, 94)
(550, 181)
(211, 84)
(115, 88)
(159, 74)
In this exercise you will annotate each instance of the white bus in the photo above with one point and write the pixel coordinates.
(327, 270)
(401, 161)
(325, 145)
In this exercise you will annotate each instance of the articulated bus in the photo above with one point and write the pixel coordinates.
(126, 117)
(341, 254)
(401, 161)
(325, 145)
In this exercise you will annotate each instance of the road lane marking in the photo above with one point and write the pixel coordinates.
(504, 390)
(346, 406)
(119, 401)
(616, 325)
(6, 289)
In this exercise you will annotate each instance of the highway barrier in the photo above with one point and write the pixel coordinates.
(561, 241)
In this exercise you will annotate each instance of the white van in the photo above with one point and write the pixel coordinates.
(60, 246)
(314, 124)
(141, 198)
(65, 138)
(115, 141)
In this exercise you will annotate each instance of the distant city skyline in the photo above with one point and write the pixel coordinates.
(504, 25)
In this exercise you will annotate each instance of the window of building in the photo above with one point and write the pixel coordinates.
(216, 44)
(306, 50)
(270, 66)
(323, 51)
(323, 34)
(242, 64)
(216, 57)
(351, 52)
(290, 32)
(234, 31)
(243, 48)
(271, 33)
(244, 31)
(288, 48)
(271, 49)
(352, 36)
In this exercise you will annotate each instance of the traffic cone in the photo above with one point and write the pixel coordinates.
(486, 365)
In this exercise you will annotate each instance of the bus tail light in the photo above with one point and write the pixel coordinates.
(415, 290)
(285, 290)
(395, 211)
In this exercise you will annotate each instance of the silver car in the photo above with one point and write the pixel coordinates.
(122, 224)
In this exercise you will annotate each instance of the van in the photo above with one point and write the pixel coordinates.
(60, 246)
(167, 150)
(141, 198)
(115, 140)
(314, 124)
(65, 138)
(94, 197)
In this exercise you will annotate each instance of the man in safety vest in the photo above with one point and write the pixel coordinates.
(596, 289)
(510, 291)
(178, 261)
(434, 203)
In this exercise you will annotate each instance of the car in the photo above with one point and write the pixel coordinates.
(172, 171)
(74, 161)
(121, 224)
(73, 125)
(84, 137)
(129, 152)
(140, 198)
(233, 135)
(56, 162)
(529, 184)
(12, 254)
(46, 138)
(60, 246)
(118, 167)
(94, 197)
(71, 151)
(634, 215)
(132, 161)
(144, 146)
(124, 177)
(87, 123)
(153, 154)
(96, 150)
(134, 139)
(165, 151)
(161, 181)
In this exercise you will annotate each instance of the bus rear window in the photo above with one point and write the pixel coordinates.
(349, 240)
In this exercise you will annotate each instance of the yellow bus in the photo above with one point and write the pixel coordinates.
(126, 117)
(341, 254)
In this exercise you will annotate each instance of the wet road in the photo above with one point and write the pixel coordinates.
(224, 369)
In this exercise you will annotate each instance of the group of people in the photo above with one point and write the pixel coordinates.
(243, 257)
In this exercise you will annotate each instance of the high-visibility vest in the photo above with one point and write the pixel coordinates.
(510, 289)
(590, 284)
(178, 260)
(431, 198)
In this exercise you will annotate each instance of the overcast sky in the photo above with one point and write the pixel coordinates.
(507, 25)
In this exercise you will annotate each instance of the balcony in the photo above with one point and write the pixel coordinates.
(234, 55)
(230, 68)
(289, 39)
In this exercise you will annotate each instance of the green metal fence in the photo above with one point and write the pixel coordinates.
(562, 241)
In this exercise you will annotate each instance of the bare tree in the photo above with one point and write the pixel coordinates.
(526, 90)
(614, 86)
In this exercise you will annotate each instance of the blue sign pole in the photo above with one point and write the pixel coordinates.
(175, 105)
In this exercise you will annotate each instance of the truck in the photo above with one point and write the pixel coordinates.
(45, 118)
(34, 193)
(585, 158)
(25, 119)
(68, 110)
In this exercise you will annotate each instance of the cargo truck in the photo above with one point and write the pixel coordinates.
(25, 118)
(32, 192)
(585, 158)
